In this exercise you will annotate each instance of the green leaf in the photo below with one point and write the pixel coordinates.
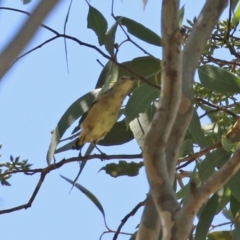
(88, 194)
(140, 100)
(140, 124)
(214, 159)
(140, 31)
(220, 235)
(227, 143)
(123, 168)
(110, 78)
(236, 16)
(236, 231)
(183, 192)
(234, 205)
(234, 184)
(196, 130)
(110, 38)
(97, 22)
(147, 67)
(206, 218)
(234, 4)
(110, 70)
(186, 148)
(218, 79)
(69, 117)
(181, 15)
(65, 147)
(224, 198)
(83, 163)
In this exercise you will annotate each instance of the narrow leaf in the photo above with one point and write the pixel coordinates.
(145, 66)
(69, 117)
(109, 70)
(196, 130)
(234, 184)
(110, 38)
(140, 31)
(64, 31)
(213, 160)
(97, 22)
(140, 124)
(206, 218)
(140, 100)
(236, 231)
(218, 79)
(88, 194)
(181, 15)
(234, 205)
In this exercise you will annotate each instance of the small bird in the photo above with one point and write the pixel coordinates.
(104, 112)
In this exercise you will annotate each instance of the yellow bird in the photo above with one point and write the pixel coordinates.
(104, 112)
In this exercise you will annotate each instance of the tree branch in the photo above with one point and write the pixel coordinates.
(196, 155)
(58, 35)
(124, 220)
(193, 49)
(25, 35)
(157, 137)
(218, 179)
(48, 169)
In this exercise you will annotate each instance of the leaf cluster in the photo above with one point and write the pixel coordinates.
(14, 164)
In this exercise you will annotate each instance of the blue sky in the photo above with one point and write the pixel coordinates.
(33, 96)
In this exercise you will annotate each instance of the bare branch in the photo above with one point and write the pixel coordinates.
(194, 47)
(58, 35)
(217, 180)
(124, 220)
(29, 14)
(34, 194)
(196, 155)
(25, 34)
(48, 169)
(218, 108)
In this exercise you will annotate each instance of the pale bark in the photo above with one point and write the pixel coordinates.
(25, 34)
(164, 137)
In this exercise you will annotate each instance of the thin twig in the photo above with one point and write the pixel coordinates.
(194, 156)
(29, 14)
(48, 169)
(129, 38)
(59, 35)
(219, 108)
(24, 35)
(34, 194)
(74, 159)
(124, 220)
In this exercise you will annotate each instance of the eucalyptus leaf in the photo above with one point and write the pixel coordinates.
(206, 218)
(97, 22)
(140, 100)
(76, 110)
(218, 79)
(140, 31)
(87, 193)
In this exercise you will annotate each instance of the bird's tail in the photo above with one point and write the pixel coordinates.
(78, 144)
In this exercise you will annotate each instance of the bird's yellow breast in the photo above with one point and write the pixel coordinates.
(104, 112)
